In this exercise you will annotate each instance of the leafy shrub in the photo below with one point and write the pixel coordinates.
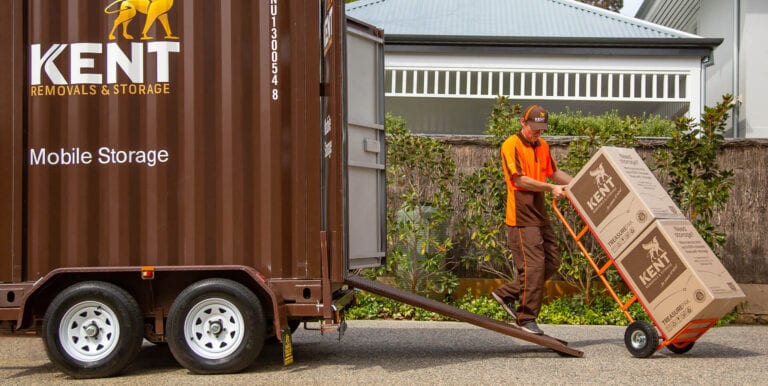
(606, 130)
(696, 183)
(373, 307)
(482, 305)
(481, 222)
(419, 172)
(601, 310)
(503, 121)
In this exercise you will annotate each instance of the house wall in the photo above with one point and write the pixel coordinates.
(631, 85)
(677, 14)
(754, 78)
(715, 19)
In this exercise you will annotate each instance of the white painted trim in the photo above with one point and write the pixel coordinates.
(574, 84)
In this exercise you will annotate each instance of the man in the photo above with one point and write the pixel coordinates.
(527, 165)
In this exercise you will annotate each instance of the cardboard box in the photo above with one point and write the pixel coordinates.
(677, 277)
(618, 196)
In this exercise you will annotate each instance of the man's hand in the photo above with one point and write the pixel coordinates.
(558, 191)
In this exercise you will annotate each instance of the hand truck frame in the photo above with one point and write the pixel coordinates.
(641, 338)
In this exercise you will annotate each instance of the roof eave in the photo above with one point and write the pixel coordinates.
(552, 45)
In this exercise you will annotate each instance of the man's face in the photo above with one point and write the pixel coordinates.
(531, 134)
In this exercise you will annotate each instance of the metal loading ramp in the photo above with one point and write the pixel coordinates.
(461, 315)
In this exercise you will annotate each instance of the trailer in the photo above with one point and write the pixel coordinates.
(198, 173)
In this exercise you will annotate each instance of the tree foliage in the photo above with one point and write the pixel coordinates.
(605, 130)
(696, 182)
(611, 5)
(482, 220)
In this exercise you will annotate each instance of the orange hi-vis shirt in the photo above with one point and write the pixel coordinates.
(520, 157)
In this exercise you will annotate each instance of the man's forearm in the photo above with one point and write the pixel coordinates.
(529, 183)
(561, 177)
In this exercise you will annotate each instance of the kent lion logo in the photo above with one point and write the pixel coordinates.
(654, 251)
(154, 9)
(659, 261)
(600, 175)
(605, 189)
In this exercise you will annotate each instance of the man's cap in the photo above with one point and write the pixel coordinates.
(536, 116)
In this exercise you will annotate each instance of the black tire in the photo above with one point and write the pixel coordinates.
(93, 329)
(680, 348)
(641, 339)
(216, 326)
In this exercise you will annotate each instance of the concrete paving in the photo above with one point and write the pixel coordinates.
(438, 353)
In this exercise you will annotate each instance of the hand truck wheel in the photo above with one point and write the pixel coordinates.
(680, 348)
(641, 339)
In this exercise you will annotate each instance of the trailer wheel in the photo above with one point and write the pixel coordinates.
(92, 329)
(680, 348)
(216, 326)
(641, 339)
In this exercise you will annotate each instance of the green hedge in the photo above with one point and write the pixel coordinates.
(564, 310)
(602, 310)
(572, 123)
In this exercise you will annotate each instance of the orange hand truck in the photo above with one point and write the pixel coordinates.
(641, 338)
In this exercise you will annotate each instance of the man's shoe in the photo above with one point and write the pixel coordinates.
(509, 307)
(532, 328)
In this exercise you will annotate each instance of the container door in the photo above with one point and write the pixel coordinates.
(333, 129)
(11, 151)
(366, 150)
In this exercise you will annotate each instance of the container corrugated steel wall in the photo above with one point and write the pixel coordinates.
(241, 184)
(11, 99)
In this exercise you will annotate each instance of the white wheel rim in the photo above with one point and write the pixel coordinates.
(89, 331)
(638, 339)
(214, 328)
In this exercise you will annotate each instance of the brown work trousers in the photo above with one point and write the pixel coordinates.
(537, 258)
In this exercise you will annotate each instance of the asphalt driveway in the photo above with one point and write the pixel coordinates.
(404, 352)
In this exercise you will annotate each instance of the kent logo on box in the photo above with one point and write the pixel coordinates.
(604, 194)
(652, 265)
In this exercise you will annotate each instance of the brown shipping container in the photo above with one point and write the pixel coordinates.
(219, 139)
(203, 147)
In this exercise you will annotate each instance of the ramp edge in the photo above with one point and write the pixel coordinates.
(461, 315)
